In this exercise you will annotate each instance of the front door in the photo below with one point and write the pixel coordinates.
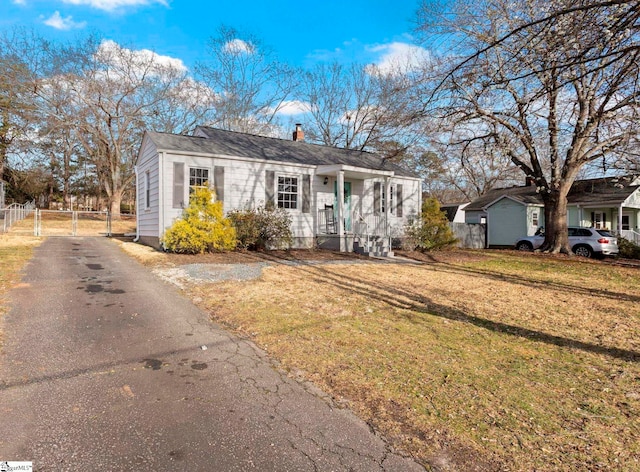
(347, 203)
(626, 222)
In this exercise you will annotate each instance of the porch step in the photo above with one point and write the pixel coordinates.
(377, 249)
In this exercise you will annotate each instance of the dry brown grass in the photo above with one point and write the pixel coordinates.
(504, 362)
(14, 254)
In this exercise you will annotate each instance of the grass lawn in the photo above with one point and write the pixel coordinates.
(15, 252)
(469, 361)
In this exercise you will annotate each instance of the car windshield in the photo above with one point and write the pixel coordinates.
(605, 233)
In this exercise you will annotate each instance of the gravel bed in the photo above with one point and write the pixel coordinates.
(207, 273)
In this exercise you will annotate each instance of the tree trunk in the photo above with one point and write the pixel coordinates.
(114, 205)
(556, 234)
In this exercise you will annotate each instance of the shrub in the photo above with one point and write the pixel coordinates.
(262, 228)
(628, 249)
(431, 231)
(202, 228)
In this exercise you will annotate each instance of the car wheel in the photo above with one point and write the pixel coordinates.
(583, 251)
(524, 246)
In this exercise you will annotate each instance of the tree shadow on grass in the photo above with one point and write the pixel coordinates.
(407, 300)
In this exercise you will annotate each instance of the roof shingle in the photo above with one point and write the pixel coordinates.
(234, 144)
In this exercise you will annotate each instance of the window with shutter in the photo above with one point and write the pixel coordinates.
(178, 185)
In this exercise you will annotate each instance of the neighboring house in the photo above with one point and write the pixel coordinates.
(337, 198)
(454, 211)
(510, 213)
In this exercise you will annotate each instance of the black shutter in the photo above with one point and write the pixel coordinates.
(306, 194)
(218, 182)
(377, 194)
(593, 219)
(178, 185)
(269, 189)
(399, 201)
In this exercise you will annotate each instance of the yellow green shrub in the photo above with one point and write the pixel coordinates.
(202, 228)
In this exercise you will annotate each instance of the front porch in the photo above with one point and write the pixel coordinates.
(357, 207)
(364, 235)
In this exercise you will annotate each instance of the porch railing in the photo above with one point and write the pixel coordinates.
(369, 224)
(14, 213)
(370, 231)
(630, 235)
(327, 223)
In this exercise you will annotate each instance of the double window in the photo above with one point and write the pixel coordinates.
(287, 192)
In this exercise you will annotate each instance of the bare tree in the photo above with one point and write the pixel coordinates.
(22, 56)
(357, 107)
(114, 95)
(251, 86)
(552, 85)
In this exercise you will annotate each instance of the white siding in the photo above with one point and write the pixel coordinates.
(531, 228)
(244, 187)
(148, 218)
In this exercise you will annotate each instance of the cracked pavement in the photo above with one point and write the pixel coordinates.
(102, 368)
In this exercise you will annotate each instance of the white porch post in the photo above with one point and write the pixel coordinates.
(387, 204)
(620, 220)
(340, 202)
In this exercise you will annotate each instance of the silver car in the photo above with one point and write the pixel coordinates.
(586, 242)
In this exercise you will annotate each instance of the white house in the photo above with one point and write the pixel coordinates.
(337, 198)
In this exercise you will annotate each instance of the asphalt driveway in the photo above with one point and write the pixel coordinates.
(103, 368)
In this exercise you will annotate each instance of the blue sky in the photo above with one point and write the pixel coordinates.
(300, 33)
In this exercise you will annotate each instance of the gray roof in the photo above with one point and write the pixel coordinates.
(525, 195)
(606, 191)
(234, 144)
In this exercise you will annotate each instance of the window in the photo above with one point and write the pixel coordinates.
(534, 219)
(147, 190)
(287, 192)
(599, 220)
(198, 177)
(383, 202)
(626, 222)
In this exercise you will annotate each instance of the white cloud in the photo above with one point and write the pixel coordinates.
(112, 5)
(111, 52)
(238, 46)
(58, 22)
(399, 57)
(293, 107)
(20, 2)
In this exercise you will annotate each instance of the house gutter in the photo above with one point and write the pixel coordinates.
(137, 238)
(160, 194)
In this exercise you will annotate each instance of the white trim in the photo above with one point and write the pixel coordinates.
(484, 208)
(161, 210)
(289, 175)
(235, 158)
(352, 171)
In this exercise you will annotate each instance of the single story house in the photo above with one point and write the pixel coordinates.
(341, 199)
(612, 203)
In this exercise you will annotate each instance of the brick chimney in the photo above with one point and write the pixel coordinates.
(298, 134)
